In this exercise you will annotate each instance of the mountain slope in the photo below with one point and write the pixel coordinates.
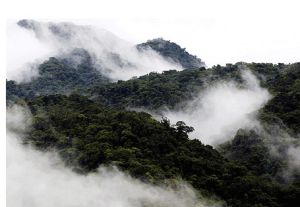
(71, 125)
(169, 89)
(255, 168)
(87, 135)
(174, 52)
(114, 57)
(58, 75)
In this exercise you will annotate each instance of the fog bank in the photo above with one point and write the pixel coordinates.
(222, 108)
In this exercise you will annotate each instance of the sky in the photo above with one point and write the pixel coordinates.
(221, 39)
(218, 32)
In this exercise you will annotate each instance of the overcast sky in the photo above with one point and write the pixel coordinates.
(221, 39)
(218, 32)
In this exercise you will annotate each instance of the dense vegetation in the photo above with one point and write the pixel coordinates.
(58, 75)
(286, 101)
(87, 135)
(173, 51)
(248, 148)
(97, 130)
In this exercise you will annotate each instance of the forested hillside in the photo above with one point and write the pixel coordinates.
(88, 135)
(58, 75)
(88, 117)
(174, 52)
(167, 89)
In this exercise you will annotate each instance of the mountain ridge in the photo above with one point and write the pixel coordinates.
(173, 51)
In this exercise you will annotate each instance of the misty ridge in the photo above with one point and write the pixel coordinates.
(95, 120)
(115, 58)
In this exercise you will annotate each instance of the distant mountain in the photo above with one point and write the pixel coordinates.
(86, 58)
(174, 52)
(114, 57)
(64, 31)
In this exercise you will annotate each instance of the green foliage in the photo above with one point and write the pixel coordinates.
(154, 90)
(250, 149)
(171, 50)
(286, 101)
(88, 135)
(58, 76)
(170, 88)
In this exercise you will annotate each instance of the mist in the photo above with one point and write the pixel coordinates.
(217, 112)
(24, 53)
(29, 41)
(36, 179)
(283, 146)
(294, 158)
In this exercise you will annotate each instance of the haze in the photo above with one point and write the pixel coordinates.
(218, 32)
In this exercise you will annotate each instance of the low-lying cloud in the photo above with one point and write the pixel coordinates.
(221, 109)
(36, 179)
(283, 147)
(116, 58)
(24, 53)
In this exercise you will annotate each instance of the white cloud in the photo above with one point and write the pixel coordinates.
(24, 53)
(221, 109)
(217, 31)
(114, 57)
